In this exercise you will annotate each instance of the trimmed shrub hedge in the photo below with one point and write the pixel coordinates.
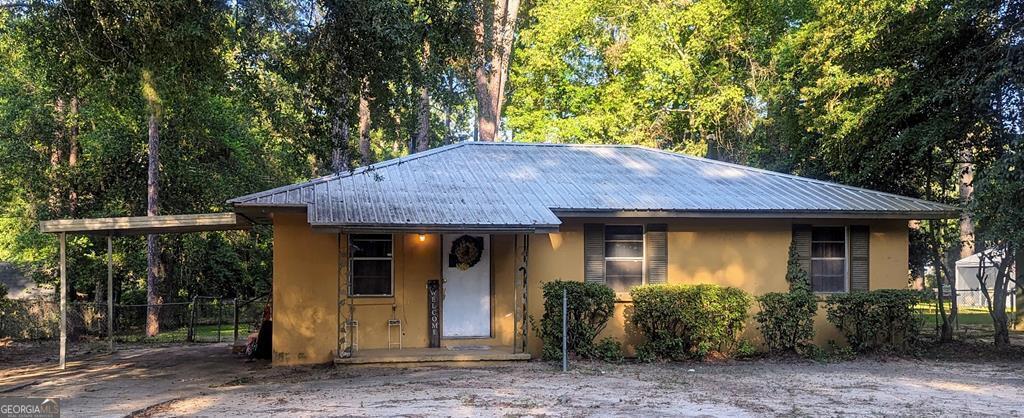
(786, 320)
(879, 320)
(589, 307)
(681, 321)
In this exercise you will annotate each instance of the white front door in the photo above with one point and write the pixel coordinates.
(467, 288)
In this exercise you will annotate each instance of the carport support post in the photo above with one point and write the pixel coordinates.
(63, 302)
(110, 294)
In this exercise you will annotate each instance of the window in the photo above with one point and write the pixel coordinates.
(371, 265)
(828, 259)
(623, 256)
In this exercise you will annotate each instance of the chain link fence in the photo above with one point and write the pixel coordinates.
(972, 317)
(205, 319)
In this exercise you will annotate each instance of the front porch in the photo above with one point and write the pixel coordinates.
(427, 355)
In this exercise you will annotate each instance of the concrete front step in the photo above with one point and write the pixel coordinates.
(425, 355)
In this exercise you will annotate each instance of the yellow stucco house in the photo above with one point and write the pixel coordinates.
(443, 252)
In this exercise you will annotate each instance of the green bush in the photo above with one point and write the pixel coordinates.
(681, 321)
(589, 307)
(26, 319)
(745, 350)
(879, 320)
(786, 320)
(609, 349)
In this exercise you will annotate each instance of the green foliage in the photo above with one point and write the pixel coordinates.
(879, 320)
(657, 74)
(745, 349)
(786, 320)
(682, 321)
(608, 349)
(23, 319)
(590, 305)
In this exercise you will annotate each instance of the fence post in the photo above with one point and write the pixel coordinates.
(565, 329)
(192, 320)
(235, 320)
(220, 315)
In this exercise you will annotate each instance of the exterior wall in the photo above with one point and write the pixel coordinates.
(747, 254)
(310, 279)
(416, 262)
(305, 292)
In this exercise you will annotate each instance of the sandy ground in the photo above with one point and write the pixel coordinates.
(207, 380)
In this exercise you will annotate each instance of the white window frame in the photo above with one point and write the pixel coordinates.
(352, 259)
(643, 253)
(846, 258)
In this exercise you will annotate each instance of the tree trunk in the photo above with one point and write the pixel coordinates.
(494, 32)
(56, 155)
(73, 151)
(946, 327)
(339, 138)
(1000, 291)
(423, 106)
(966, 192)
(365, 153)
(153, 270)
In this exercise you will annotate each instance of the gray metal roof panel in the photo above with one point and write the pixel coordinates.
(502, 184)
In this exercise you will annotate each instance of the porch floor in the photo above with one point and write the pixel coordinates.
(424, 355)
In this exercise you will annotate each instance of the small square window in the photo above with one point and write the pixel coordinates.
(371, 268)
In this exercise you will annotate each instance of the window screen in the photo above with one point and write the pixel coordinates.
(828, 259)
(623, 256)
(371, 256)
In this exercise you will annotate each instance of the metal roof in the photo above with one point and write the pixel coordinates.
(518, 186)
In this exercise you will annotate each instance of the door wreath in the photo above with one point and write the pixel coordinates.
(466, 252)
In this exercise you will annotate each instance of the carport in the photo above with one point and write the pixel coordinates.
(127, 226)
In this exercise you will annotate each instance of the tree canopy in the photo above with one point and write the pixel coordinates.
(896, 95)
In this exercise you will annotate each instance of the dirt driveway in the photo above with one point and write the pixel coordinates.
(206, 380)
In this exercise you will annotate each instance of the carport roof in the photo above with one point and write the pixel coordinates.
(517, 186)
(142, 225)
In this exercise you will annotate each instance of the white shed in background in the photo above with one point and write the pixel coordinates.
(968, 287)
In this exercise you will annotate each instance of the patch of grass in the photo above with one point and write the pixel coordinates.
(204, 333)
(965, 315)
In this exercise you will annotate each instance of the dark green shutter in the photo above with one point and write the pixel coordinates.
(593, 253)
(802, 242)
(656, 253)
(860, 265)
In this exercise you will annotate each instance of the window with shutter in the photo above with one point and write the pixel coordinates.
(593, 253)
(829, 257)
(860, 265)
(623, 256)
(656, 253)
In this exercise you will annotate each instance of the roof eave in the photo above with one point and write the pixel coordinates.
(433, 229)
(761, 214)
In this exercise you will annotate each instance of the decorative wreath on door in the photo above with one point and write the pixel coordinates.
(466, 252)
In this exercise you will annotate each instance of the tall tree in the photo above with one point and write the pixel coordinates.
(422, 139)
(154, 267)
(494, 32)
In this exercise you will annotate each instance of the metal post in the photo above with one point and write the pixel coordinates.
(565, 329)
(63, 302)
(220, 315)
(235, 320)
(110, 294)
(192, 320)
